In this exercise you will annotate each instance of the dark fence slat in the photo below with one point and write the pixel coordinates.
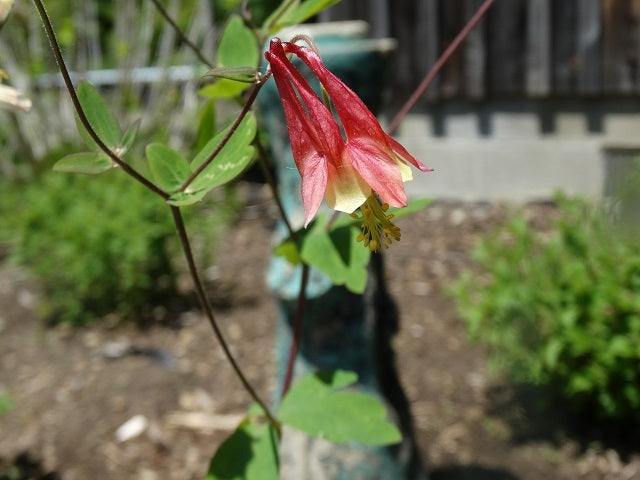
(427, 43)
(564, 46)
(451, 21)
(588, 48)
(526, 48)
(538, 48)
(475, 54)
(506, 47)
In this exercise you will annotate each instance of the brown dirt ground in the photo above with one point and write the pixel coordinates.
(72, 388)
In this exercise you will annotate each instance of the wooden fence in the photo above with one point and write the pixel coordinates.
(522, 48)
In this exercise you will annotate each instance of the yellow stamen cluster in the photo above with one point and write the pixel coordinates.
(377, 229)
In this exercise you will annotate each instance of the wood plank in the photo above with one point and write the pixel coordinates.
(616, 32)
(564, 46)
(506, 47)
(475, 54)
(538, 48)
(451, 22)
(588, 48)
(426, 46)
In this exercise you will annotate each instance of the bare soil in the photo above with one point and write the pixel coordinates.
(72, 388)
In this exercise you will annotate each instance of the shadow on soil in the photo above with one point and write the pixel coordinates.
(536, 413)
(470, 472)
(25, 467)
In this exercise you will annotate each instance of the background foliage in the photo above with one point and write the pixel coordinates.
(101, 244)
(561, 308)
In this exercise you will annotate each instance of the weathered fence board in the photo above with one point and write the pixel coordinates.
(524, 48)
(538, 48)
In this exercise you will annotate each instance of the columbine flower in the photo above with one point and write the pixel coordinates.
(350, 172)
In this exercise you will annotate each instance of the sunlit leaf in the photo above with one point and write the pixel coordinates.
(238, 45)
(320, 406)
(168, 167)
(99, 117)
(306, 10)
(250, 453)
(273, 21)
(223, 88)
(337, 254)
(230, 161)
(84, 162)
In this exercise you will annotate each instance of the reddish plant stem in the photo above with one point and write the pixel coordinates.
(177, 216)
(206, 307)
(243, 113)
(297, 330)
(438, 66)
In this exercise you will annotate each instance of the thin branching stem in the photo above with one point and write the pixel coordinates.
(177, 216)
(413, 99)
(181, 34)
(206, 307)
(55, 47)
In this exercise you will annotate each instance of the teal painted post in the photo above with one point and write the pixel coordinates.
(342, 330)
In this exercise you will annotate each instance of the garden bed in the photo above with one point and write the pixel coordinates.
(72, 389)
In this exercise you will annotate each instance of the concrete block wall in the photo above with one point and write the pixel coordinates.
(522, 151)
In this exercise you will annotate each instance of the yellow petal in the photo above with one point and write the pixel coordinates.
(346, 190)
(405, 170)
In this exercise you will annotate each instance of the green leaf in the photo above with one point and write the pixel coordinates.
(305, 11)
(99, 116)
(128, 138)
(238, 45)
(289, 251)
(223, 88)
(413, 207)
(182, 199)
(273, 21)
(337, 254)
(168, 167)
(319, 406)
(84, 162)
(230, 161)
(250, 453)
(237, 74)
(206, 124)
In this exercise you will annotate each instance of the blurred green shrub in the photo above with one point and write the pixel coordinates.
(561, 308)
(101, 244)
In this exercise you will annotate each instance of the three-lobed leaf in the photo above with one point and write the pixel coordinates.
(228, 163)
(335, 253)
(320, 406)
(238, 45)
(338, 255)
